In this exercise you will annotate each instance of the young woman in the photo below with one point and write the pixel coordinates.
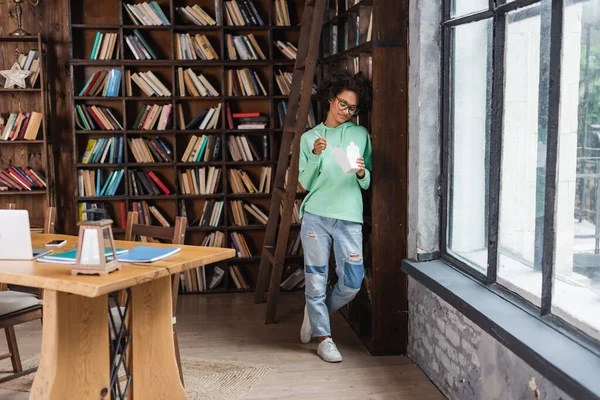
(332, 212)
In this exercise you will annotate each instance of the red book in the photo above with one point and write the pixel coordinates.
(246, 115)
(159, 183)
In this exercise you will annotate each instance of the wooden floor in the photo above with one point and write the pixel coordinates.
(230, 327)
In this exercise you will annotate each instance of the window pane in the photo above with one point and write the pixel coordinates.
(576, 295)
(522, 183)
(469, 119)
(463, 7)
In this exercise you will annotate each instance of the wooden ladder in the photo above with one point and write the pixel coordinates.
(273, 253)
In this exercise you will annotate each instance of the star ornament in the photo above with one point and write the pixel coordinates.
(15, 76)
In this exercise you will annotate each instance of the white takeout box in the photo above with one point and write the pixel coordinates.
(342, 159)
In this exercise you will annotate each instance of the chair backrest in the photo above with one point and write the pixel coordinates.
(176, 234)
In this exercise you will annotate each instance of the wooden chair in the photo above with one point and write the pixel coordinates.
(19, 307)
(176, 235)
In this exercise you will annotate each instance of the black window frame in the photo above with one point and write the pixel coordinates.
(552, 21)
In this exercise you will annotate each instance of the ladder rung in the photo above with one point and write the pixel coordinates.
(279, 191)
(301, 64)
(290, 130)
(267, 250)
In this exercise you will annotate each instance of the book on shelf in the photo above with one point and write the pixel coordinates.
(295, 247)
(153, 117)
(242, 148)
(149, 83)
(207, 118)
(287, 48)
(284, 82)
(202, 149)
(29, 61)
(246, 120)
(146, 13)
(238, 241)
(199, 181)
(282, 106)
(242, 13)
(92, 117)
(149, 214)
(195, 15)
(244, 82)
(106, 46)
(139, 46)
(282, 13)
(211, 213)
(195, 84)
(243, 47)
(103, 150)
(240, 211)
(240, 182)
(198, 47)
(147, 150)
(238, 278)
(147, 183)
(295, 211)
(20, 125)
(22, 178)
(292, 280)
(105, 83)
(92, 182)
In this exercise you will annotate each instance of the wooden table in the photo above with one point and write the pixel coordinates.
(75, 338)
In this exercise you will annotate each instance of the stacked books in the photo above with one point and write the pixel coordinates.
(28, 62)
(282, 13)
(21, 178)
(142, 183)
(246, 120)
(238, 278)
(149, 84)
(243, 47)
(242, 13)
(103, 150)
(146, 14)
(70, 257)
(207, 118)
(284, 82)
(198, 47)
(146, 150)
(239, 216)
(153, 117)
(90, 117)
(20, 125)
(197, 181)
(242, 149)
(146, 212)
(239, 244)
(104, 46)
(202, 148)
(195, 15)
(92, 184)
(244, 82)
(211, 213)
(196, 84)
(288, 49)
(139, 46)
(105, 83)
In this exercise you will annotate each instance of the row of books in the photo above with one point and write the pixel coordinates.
(282, 13)
(103, 150)
(20, 125)
(211, 213)
(92, 183)
(243, 149)
(91, 117)
(240, 182)
(240, 245)
(284, 82)
(242, 13)
(153, 117)
(287, 48)
(105, 46)
(153, 150)
(207, 118)
(29, 61)
(139, 47)
(295, 211)
(146, 13)
(21, 178)
(196, 84)
(146, 183)
(282, 112)
(105, 83)
(149, 84)
(202, 148)
(238, 278)
(295, 247)
(199, 181)
(239, 209)
(243, 47)
(195, 15)
(244, 82)
(198, 47)
(149, 214)
(197, 279)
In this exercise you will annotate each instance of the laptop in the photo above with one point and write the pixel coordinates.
(15, 237)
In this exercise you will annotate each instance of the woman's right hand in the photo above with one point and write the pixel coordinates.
(319, 145)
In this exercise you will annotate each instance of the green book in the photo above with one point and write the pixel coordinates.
(69, 257)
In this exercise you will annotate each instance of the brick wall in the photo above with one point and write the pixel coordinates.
(463, 361)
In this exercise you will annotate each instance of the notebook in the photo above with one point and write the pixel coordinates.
(146, 254)
(69, 257)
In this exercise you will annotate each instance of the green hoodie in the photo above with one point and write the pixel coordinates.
(333, 193)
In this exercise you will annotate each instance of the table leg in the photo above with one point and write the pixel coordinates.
(154, 368)
(74, 360)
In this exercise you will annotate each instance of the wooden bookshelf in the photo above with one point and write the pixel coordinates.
(87, 17)
(33, 153)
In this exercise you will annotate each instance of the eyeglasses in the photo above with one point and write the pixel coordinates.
(343, 106)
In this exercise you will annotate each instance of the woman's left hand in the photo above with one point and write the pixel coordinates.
(361, 164)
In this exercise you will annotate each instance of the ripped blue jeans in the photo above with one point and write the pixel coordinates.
(317, 235)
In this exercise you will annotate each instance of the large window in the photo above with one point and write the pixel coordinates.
(522, 150)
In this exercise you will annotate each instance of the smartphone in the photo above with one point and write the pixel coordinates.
(56, 243)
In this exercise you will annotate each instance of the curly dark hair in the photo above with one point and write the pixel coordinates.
(341, 81)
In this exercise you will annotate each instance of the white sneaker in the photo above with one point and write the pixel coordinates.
(305, 330)
(328, 351)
